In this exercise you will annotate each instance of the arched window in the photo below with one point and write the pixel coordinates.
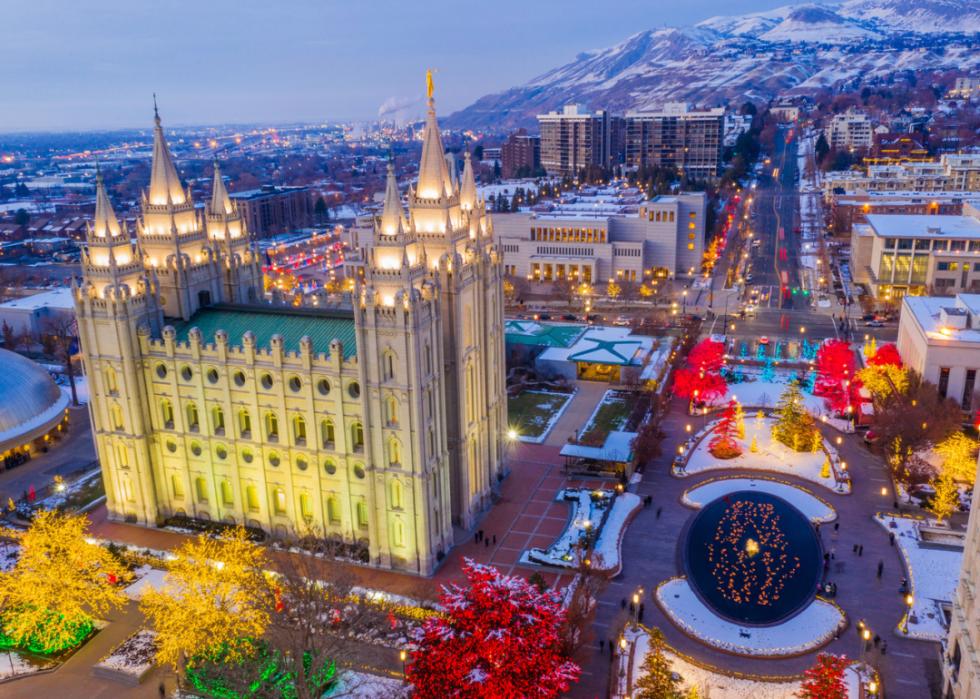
(398, 533)
(327, 434)
(218, 419)
(396, 494)
(428, 359)
(394, 452)
(333, 510)
(177, 483)
(388, 365)
(305, 506)
(391, 410)
(272, 427)
(193, 422)
(117, 417)
(470, 394)
(362, 514)
(357, 436)
(244, 423)
(167, 414)
(279, 500)
(122, 455)
(227, 495)
(110, 381)
(252, 498)
(299, 430)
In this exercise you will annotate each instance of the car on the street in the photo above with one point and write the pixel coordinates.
(621, 321)
(569, 316)
(764, 340)
(874, 324)
(870, 437)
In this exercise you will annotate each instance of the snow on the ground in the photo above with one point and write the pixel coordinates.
(812, 507)
(587, 512)
(134, 656)
(811, 628)
(717, 685)
(152, 578)
(13, 664)
(367, 686)
(81, 387)
(771, 455)
(552, 419)
(611, 535)
(765, 394)
(933, 571)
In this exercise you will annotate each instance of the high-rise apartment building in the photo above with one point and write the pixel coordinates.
(270, 210)
(677, 136)
(380, 424)
(573, 140)
(850, 131)
(520, 155)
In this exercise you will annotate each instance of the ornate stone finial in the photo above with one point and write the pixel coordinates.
(156, 112)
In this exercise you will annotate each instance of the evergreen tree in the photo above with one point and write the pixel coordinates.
(794, 426)
(739, 419)
(657, 680)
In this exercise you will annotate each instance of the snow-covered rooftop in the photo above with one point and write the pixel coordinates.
(932, 314)
(924, 226)
(60, 298)
(603, 345)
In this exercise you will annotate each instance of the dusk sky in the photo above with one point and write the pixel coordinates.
(93, 65)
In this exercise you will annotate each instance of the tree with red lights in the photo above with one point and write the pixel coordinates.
(835, 369)
(708, 356)
(701, 379)
(499, 637)
(825, 680)
(723, 444)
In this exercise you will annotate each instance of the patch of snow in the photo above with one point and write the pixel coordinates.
(933, 571)
(134, 656)
(811, 628)
(610, 539)
(152, 579)
(812, 507)
(552, 420)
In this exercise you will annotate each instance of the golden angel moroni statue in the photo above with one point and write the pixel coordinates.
(429, 86)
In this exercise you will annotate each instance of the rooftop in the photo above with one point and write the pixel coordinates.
(604, 345)
(55, 298)
(924, 226)
(931, 313)
(529, 332)
(292, 324)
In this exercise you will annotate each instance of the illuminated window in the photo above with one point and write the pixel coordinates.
(394, 452)
(117, 417)
(227, 496)
(193, 422)
(279, 500)
(201, 489)
(327, 434)
(122, 455)
(167, 413)
(391, 410)
(177, 484)
(398, 533)
(362, 514)
(218, 419)
(110, 380)
(252, 498)
(357, 435)
(305, 506)
(396, 494)
(272, 426)
(333, 510)
(690, 246)
(299, 430)
(244, 423)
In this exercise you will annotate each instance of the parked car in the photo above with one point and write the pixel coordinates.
(569, 316)
(621, 321)
(874, 324)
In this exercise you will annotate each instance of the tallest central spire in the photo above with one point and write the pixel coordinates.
(164, 183)
(434, 181)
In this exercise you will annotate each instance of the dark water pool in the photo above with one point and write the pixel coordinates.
(753, 558)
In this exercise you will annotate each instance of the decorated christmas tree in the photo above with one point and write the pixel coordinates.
(723, 444)
(739, 419)
(825, 680)
(794, 426)
(768, 371)
(657, 680)
(498, 637)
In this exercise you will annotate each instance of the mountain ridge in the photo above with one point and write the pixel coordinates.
(755, 56)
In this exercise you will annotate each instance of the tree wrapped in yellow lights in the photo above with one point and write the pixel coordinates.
(215, 597)
(59, 586)
(794, 425)
(959, 453)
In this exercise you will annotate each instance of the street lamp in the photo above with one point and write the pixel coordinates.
(909, 601)
(403, 656)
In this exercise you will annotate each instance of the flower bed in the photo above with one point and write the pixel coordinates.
(611, 414)
(14, 664)
(607, 545)
(534, 413)
(811, 628)
(588, 509)
(130, 661)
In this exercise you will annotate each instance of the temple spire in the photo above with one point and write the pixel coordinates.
(164, 183)
(220, 201)
(392, 216)
(434, 181)
(467, 190)
(105, 225)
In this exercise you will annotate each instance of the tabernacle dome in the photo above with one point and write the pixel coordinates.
(31, 403)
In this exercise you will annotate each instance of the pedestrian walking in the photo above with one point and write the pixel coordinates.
(163, 691)
(494, 539)
(481, 534)
(640, 614)
(855, 549)
(610, 644)
(659, 510)
(487, 542)
(861, 550)
(622, 603)
(602, 645)
(881, 568)
(884, 647)
(891, 538)
(877, 640)
(836, 526)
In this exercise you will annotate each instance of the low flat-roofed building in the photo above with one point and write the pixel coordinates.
(603, 235)
(37, 313)
(939, 337)
(896, 255)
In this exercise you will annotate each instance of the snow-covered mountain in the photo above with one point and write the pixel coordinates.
(754, 56)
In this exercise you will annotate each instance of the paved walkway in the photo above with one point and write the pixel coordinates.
(651, 554)
(577, 413)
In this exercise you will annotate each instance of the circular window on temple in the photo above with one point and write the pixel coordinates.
(295, 384)
(162, 371)
(274, 459)
(358, 470)
(323, 387)
(239, 378)
(266, 381)
(330, 467)
(302, 464)
(753, 558)
(212, 375)
(195, 449)
(354, 389)
(221, 452)
(171, 446)
(247, 456)
(186, 373)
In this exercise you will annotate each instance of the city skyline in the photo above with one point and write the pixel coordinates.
(209, 65)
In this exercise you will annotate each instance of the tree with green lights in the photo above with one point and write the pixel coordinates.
(59, 586)
(794, 425)
(656, 680)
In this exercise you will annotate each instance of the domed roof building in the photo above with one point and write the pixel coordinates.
(31, 404)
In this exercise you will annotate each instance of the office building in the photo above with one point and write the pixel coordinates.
(849, 131)
(520, 155)
(271, 210)
(573, 140)
(952, 172)
(678, 137)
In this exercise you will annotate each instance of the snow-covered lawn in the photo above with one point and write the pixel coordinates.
(812, 507)
(13, 664)
(148, 578)
(811, 628)
(770, 455)
(366, 686)
(534, 413)
(765, 394)
(591, 514)
(610, 539)
(129, 661)
(716, 684)
(933, 570)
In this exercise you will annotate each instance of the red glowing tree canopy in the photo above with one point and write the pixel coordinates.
(835, 361)
(499, 638)
(701, 379)
(723, 444)
(825, 680)
(886, 354)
